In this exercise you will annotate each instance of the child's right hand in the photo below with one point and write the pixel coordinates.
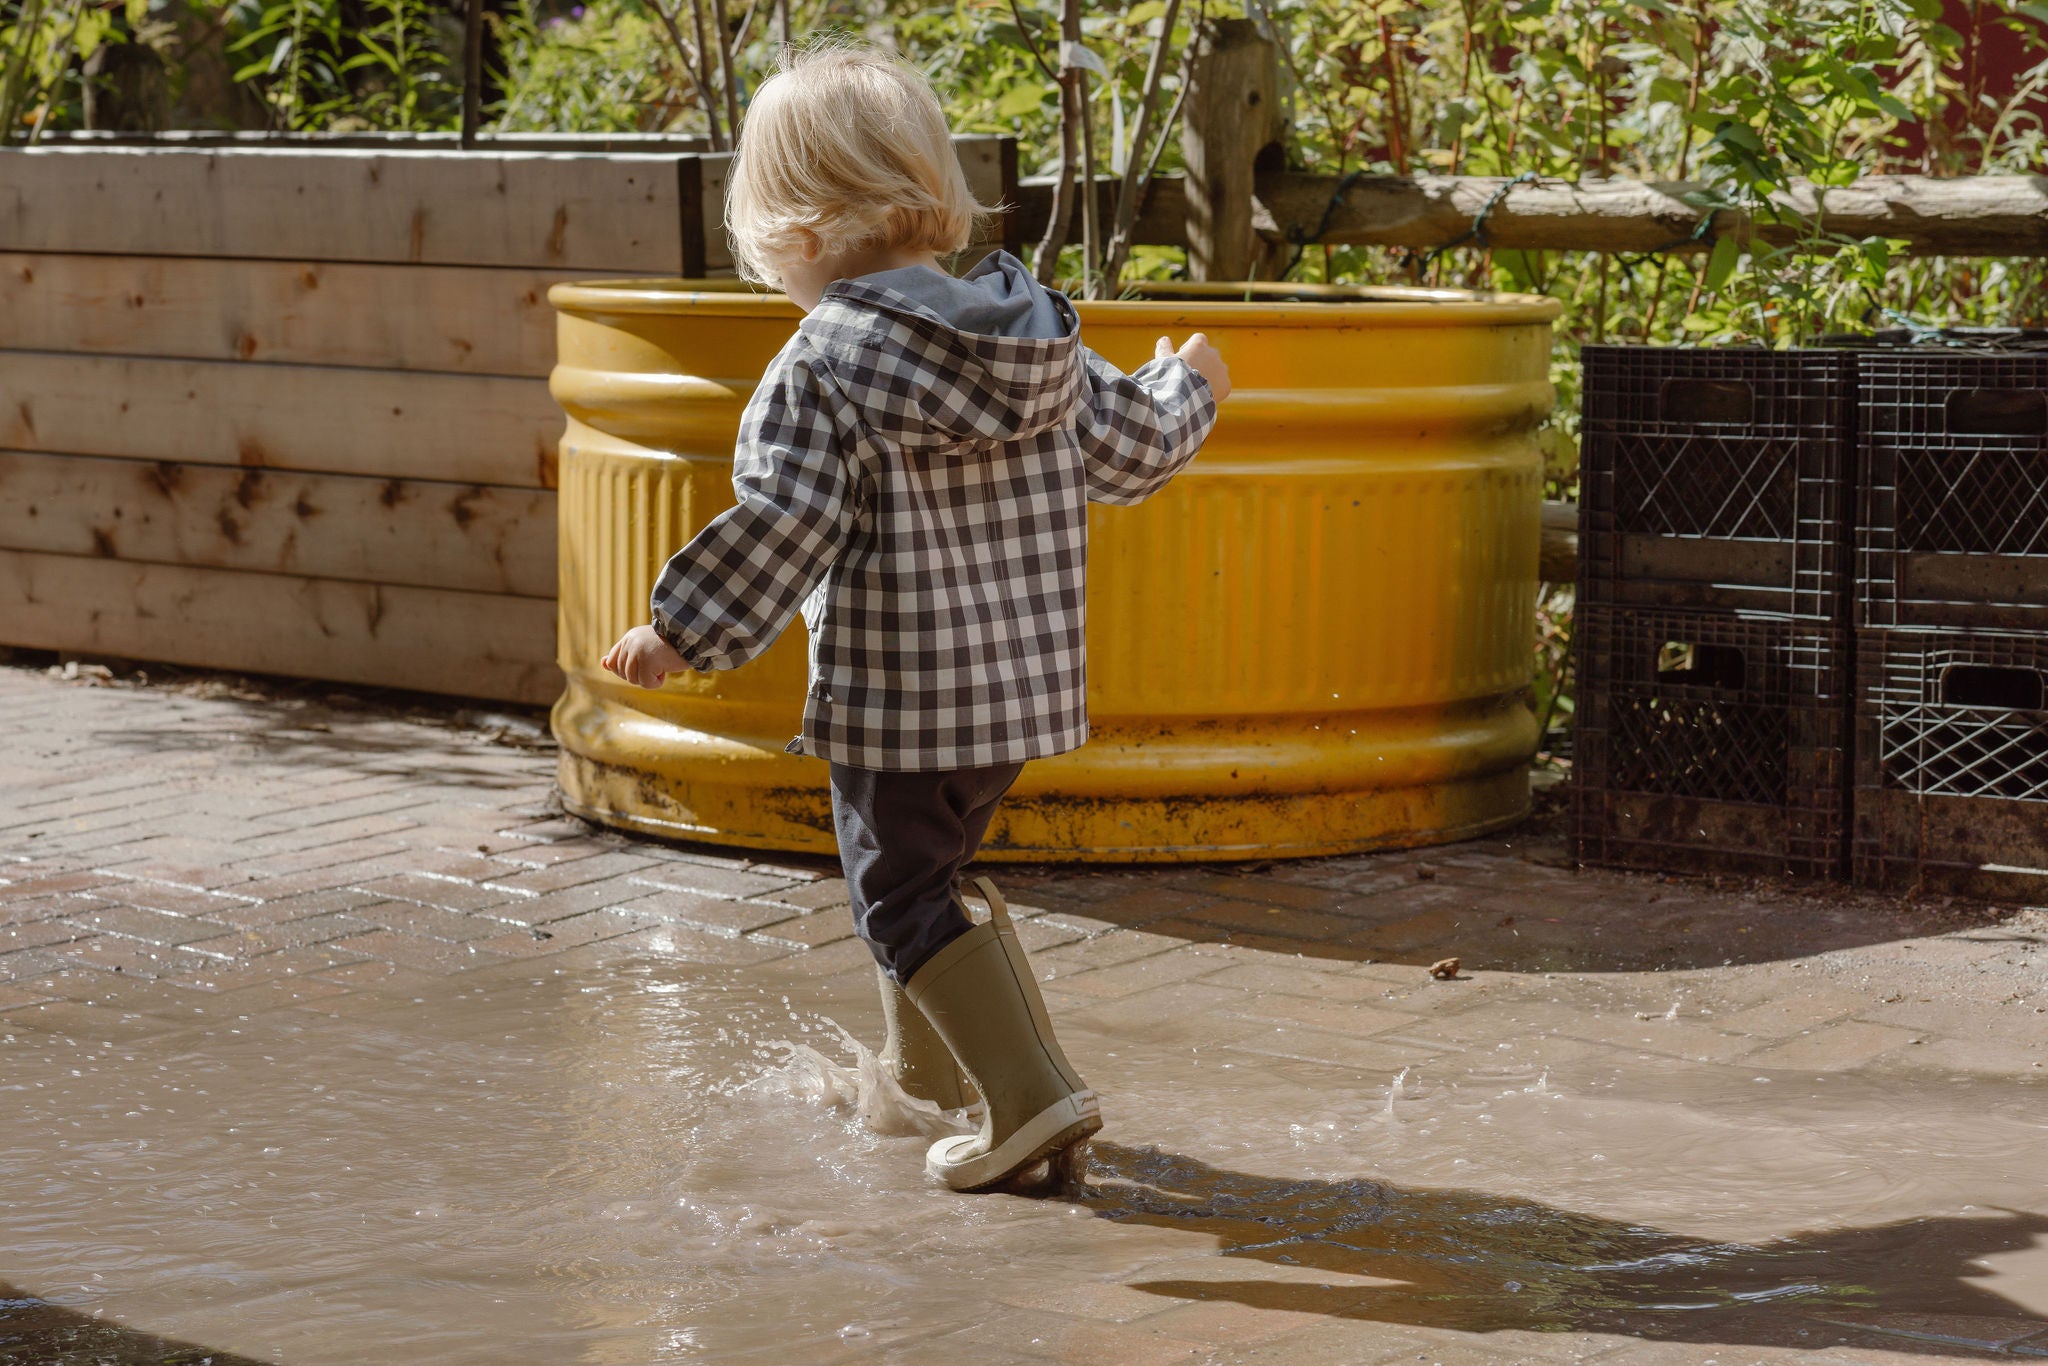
(642, 657)
(1206, 360)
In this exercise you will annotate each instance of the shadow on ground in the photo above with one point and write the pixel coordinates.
(33, 1330)
(316, 724)
(1509, 906)
(1483, 1263)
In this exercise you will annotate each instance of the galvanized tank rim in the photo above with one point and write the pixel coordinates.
(1270, 304)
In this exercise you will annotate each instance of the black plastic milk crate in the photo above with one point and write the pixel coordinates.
(1717, 478)
(1952, 763)
(1711, 742)
(1953, 497)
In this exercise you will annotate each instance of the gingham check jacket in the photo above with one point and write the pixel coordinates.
(922, 494)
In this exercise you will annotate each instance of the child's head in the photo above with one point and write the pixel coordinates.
(846, 146)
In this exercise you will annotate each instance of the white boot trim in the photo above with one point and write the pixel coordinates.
(955, 1161)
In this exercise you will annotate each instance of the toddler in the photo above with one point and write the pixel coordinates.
(914, 474)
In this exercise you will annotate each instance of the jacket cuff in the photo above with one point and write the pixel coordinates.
(694, 658)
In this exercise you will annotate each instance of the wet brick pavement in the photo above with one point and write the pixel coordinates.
(168, 855)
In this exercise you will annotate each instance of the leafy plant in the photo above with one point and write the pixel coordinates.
(316, 71)
(41, 41)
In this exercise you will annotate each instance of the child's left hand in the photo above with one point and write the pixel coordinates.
(642, 657)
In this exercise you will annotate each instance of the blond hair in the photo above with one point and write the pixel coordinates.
(848, 145)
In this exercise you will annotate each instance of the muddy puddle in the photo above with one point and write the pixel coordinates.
(653, 1161)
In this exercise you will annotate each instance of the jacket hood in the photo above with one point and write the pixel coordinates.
(940, 383)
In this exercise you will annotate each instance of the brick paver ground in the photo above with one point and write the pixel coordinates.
(213, 852)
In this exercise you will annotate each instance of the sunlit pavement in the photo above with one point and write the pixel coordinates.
(326, 1037)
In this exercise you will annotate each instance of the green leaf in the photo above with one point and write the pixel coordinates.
(1024, 98)
(1721, 264)
(1667, 91)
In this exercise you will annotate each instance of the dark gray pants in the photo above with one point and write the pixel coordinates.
(903, 839)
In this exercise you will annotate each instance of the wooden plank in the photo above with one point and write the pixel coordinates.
(1234, 115)
(981, 160)
(471, 429)
(1558, 560)
(713, 167)
(2003, 215)
(1965, 216)
(395, 531)
(432, 639)
(606, 214)
(450, 318)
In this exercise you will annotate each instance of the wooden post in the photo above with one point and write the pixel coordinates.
(1233, 120)
(472, 70)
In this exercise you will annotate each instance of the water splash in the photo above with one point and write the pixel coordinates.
(863, 1089)
(1396, 1090)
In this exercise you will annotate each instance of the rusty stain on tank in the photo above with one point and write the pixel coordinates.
(165, 476)
(544, 466)
(230, 529)
(376, 607)
(28, 417)
(250, 451)
(245, 346)
(249, 488)
(305, 507)
(393, 493)
(558, 235)
(103, 543)
(309, 278)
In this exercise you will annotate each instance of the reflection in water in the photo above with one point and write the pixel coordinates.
(1480, 1262)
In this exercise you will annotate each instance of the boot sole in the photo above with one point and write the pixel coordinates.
(1065, 1122)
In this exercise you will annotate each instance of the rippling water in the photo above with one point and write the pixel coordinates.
(657, 1161)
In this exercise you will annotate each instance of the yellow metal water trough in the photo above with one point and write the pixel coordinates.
(1316, 640)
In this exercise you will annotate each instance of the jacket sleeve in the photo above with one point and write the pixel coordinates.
(1137, 430)
(725, 597)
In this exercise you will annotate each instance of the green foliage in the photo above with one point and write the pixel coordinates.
(602, 71)
(42, 44)
(399, 73)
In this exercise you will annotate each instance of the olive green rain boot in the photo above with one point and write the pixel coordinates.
(915, 1055)
(979, 994)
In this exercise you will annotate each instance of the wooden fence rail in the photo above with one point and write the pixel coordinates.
(2005, 215)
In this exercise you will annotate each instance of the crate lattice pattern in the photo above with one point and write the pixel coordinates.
(1754, 745)
(1930, 485)
(1935, 748)
(1697, 484)
(1777, 471)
